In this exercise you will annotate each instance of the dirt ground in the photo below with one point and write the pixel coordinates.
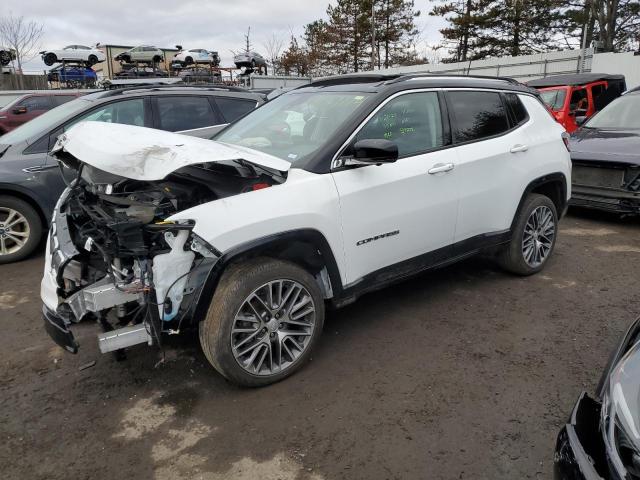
(466, 372)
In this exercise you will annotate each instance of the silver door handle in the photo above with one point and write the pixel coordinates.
(519, 148)
(441, 168)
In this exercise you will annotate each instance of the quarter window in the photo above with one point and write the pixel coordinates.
(185, 113)
(477, 115)
(412, 121)
(518, 111)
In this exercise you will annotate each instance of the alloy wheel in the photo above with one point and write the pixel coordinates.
(14, 231)
(273, 327)
(539, 233)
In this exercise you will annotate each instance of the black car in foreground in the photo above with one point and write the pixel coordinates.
(602, 438)
(605, 153)
(30, 179)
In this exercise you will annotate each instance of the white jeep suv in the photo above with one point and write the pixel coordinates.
(329, 191)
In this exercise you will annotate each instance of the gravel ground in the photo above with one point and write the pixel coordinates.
(466, 372)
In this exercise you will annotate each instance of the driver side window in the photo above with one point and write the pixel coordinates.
(579, 100)
(128, 112)
(412, 121)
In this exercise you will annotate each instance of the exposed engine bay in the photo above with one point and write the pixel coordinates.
(118, 260)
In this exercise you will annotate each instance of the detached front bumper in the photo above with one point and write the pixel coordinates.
(580, 450)
(58, 329)
(608, 199)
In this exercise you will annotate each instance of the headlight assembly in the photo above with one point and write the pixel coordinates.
(620, 416)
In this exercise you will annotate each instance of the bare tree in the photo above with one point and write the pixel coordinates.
(274, 45)
(22, 36)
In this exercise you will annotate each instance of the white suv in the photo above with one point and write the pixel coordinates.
(250, 236)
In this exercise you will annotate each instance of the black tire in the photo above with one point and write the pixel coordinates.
(512, 257)
(5, 58)
(188, 61)
(125, 59)
(157, 59)
(50, 59)
(253, 64)
(34, 223)
(236, 285)
(92, 60)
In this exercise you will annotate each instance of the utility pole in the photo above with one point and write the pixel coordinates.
(373, 35)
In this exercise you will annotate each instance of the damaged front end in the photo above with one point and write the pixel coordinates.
(114, 257)
(609, 186)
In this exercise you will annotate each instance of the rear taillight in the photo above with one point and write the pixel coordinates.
(565, 139)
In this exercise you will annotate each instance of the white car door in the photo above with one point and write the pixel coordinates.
(399, 211)
(71, 53)
(492, 161)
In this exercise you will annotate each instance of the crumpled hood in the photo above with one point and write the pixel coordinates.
(606, 145)
(148, 154)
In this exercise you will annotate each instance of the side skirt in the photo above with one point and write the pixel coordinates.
(439, 258)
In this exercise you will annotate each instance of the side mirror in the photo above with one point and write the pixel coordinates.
(580, 120)
(20, 109)
(373, 151)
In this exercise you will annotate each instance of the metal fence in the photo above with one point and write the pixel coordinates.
(523, 68)
(529, 67)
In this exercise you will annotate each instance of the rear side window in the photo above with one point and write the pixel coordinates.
(60, 99)
(477, 115)
(36, 103)
(413, 121)
(234, 108)
(185, 113)
(517, 110)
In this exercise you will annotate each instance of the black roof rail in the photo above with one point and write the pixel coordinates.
(352, 78)
(155, 88)
(409, 76)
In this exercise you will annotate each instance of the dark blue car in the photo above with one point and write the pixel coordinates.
(80, 75)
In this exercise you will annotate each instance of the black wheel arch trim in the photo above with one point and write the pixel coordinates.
(551, 178)
(265, 245)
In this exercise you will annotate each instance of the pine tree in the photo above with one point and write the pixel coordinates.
(395, 31)
(350, 31)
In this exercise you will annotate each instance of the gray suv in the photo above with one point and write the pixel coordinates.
(31, 180)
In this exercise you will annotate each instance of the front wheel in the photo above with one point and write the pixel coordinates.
(20, 229)
(92, 60)
(533, 237)
(264, 320)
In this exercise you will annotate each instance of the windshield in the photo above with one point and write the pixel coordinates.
(622, 113)
(554, 99)
(44, 122)
(7, 99)
(296, 125)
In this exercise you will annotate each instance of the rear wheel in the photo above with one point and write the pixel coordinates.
(50, 59)
(92, 60)
(20, 229)
(5, 58)
(263, 322)
(157, 59)
(533, 238)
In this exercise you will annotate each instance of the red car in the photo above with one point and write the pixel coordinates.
(24, 107)
(574, 98)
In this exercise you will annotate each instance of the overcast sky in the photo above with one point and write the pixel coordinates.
(213, 24)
